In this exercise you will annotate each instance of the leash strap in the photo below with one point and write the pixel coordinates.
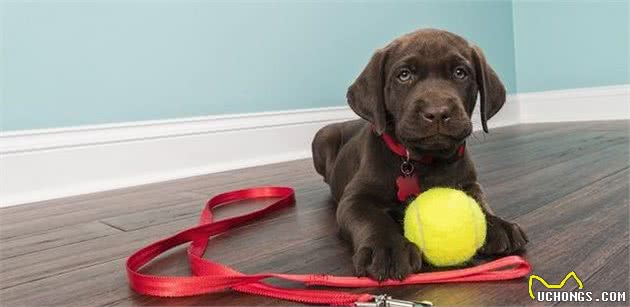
(209, 276)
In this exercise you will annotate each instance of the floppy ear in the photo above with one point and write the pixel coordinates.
(491, 89)
(365, 96)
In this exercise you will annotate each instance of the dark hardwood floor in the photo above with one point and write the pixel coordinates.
(567, 184)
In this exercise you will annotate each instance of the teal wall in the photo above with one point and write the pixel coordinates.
(570, 44)
(68, 63)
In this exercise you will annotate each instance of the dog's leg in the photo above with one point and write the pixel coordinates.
(502, 237)
(327, 143)
(325, 147)
(380, 249)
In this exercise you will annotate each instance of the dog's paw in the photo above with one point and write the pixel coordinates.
(503, 237)
(391, 259)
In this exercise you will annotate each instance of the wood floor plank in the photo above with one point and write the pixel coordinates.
(250, 245)
(101, 208)
(527, 132)
(83, 288)
(512, 196)
(138, 220)
(526, 160)
(581, 232)
(56, 238)
(19, 270)
(492, 146)
(541, 153)
(612, 277)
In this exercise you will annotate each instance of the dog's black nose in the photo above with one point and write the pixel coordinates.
(438, 114)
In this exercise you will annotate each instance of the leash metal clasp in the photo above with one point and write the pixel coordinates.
(385, 300)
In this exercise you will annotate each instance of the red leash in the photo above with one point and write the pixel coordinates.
(212, 277)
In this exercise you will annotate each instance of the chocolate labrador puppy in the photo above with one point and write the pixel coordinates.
(421, 90)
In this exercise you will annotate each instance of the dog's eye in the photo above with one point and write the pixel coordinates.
(460, 73)
(404, 75)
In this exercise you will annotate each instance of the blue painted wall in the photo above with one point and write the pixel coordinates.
(68, 63)
(570, 44)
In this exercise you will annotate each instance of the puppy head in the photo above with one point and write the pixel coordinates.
(423, 87)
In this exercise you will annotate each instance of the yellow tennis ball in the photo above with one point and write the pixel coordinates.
(447, 225)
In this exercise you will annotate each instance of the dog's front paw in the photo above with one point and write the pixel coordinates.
(503, 237)
(387, 259)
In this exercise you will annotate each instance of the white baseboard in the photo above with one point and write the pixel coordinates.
(582, 104)
(509, 115)
(44, 164)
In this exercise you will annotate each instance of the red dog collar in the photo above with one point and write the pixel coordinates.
(408, 184)
(402, 151)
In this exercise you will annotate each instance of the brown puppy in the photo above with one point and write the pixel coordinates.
(421, 89)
